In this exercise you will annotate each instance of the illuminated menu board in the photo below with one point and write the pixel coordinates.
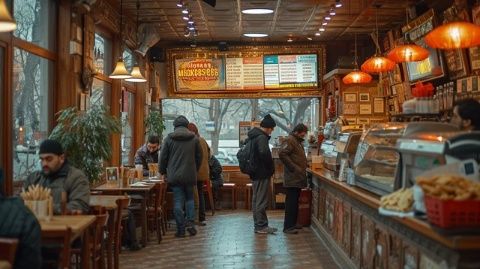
(244, 73)
(290, 71)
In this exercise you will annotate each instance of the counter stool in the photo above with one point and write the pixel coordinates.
(233, 189)
(248, 196)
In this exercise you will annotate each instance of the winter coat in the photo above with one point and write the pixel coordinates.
(180, 157)
(215, 172)
(68, 179)
(261, 154)
(144, 157)
(18, 222)
(293, 158)
(203, 171)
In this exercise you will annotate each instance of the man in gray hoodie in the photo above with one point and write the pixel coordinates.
(180, 159)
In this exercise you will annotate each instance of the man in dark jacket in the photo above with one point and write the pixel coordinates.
(148, 153)
(18, 222)
(180, 159)
(58, 175)
(294, 160)
(264, 170)
(216, 179)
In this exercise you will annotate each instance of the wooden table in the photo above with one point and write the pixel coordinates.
(143, 191)
(109, 202)
(79, 226)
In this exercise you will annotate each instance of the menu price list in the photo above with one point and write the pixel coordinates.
(290, 71)
(244, 73)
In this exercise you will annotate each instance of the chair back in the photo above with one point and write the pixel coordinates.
(121, 205)
(8, 248)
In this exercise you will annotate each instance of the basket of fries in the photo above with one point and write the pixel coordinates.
(39, 200)
(451, 201)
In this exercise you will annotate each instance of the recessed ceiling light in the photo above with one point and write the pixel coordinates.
(332, 12)
(180, 4)
(185, 18)
(321, 29)
(324, 23)
(185, 11)
(190, 20)
(257, 11)
(309, 38)
(318, 34)
(255, 35)
(191, 27)
(328, 18)
(289, 40)
(338, 3)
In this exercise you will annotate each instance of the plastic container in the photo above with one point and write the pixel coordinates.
(452, 213)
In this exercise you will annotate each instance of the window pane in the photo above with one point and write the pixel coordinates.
(128, 59)
(36, 22)
(100, 93)
(218, 119)
(32, 79)
(128, 117)
(102, 53)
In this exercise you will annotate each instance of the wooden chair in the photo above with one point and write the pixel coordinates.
(208, 189)
(233, 189)
(8, 248)
(121, 205)
(163, 202)
(63, 237)
(155, 210)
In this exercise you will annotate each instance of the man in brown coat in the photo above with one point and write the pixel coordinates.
(202, 175)
(294, 177)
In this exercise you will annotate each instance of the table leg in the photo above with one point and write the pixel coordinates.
(144, 219)
(110, 238)
(86, 249)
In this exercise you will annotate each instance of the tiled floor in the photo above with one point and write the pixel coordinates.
(228, 241)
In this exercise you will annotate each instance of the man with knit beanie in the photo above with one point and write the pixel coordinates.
(264, 170)
(180, 159)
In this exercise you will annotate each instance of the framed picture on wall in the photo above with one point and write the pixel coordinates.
(351, 121)
(112, 173)
(350, 109)
(456, 61)
(350, 97)
(474, 53)
(365, 109)
(378, 105)
(364, 97)
(363, 121)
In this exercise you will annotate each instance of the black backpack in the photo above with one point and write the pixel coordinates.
(246, 160)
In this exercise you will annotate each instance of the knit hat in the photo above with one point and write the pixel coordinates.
(193, 128)
(51, 146)
(180, 121)
(268, 122)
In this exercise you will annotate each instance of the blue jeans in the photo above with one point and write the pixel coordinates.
(183, 195)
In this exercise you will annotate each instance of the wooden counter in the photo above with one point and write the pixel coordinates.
(347, 217)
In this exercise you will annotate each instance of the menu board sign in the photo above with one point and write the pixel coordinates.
(290, 71)
(200, 74)
(244, 73)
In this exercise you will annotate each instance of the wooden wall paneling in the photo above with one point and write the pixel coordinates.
(139, 134)
(322, 205)
(394, 245)
(356, 246)
(368, 244)
(329, 212)
(338, 221)
(115, 101)
(410, 256)
(7, 121)
(315, 194)
(381, 248)
(347, 228)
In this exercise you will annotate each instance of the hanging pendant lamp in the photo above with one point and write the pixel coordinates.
(377, 63)
(120, 71)
(356, 76)
(136, 74)
(408, 52)
(454, 35)
(7, 23)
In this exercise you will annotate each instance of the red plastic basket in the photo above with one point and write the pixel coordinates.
(452, 213)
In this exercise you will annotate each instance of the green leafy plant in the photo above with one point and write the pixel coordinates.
(154, 123)
(85, 136)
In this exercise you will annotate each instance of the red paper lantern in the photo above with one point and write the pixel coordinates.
(408, 53)
(378, 64)
(357, 77)
(454, 35)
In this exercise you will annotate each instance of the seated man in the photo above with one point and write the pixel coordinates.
(18, 222)
(58, 175)
(148, 153)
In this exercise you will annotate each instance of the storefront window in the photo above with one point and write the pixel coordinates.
(100, 93)
(128, 117)
(35, 20)
(102, 54)
(32, 79)
(218, 119)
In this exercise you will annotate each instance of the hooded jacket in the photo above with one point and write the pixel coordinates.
(293, 157)
(180, 157)
(262, 155)
(18, 222)
(67, 179)
(203, 171)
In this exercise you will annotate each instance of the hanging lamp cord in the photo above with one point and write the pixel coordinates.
(356, 58)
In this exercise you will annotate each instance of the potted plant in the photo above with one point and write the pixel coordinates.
(85, 136)
(154, 124)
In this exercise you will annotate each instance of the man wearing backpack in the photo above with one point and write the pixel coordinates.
(263, 169)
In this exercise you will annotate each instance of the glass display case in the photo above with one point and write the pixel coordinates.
(377, 161)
